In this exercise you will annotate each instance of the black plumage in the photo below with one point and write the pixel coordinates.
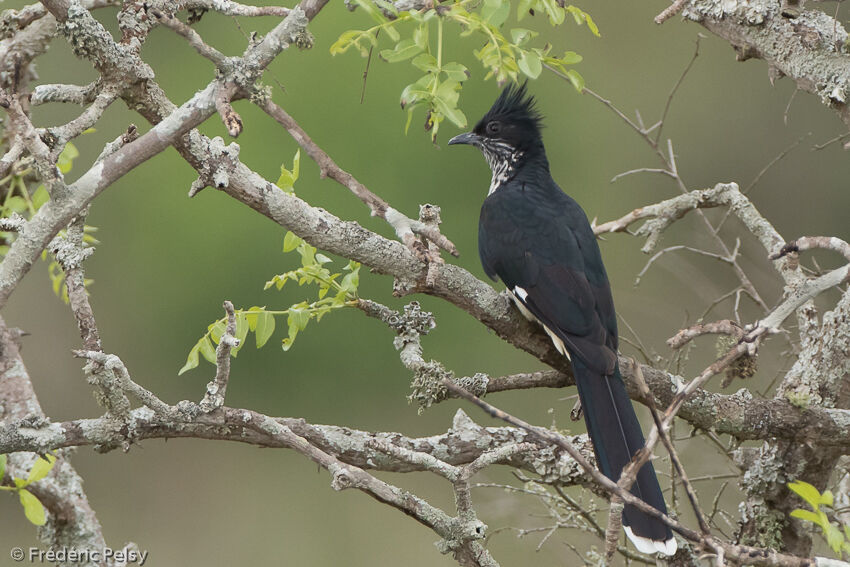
(538, 241)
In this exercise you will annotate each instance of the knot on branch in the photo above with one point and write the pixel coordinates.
(475, 384)
(128, 136)
(304, 39)
(219, 165)
(743, 367)
(427, 384)
(414, 322)
(461, 533)
(188, 411)
(341, 479)
(69, 254)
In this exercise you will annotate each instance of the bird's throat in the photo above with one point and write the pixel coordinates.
(503, 164)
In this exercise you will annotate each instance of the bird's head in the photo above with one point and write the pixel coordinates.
(511, 128)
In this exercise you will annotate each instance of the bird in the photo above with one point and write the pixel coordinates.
(538, 241)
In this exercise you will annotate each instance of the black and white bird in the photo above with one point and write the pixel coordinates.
(538, 241)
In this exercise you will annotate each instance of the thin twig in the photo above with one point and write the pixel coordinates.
(405, 228)
(675, 8)
(195, 40)
(669, 11)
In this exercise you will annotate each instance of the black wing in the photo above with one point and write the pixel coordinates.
(541, 241)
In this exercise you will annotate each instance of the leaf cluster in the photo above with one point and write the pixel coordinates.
(505, 54)
(837, 537)
(335, 291)
(33, 508)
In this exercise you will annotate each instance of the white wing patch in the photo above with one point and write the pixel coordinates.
(646, 545)
(519, 296)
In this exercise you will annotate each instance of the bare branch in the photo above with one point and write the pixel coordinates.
(72, 94)
(217, 388)
(812, 242)
(231, 119)
(643, 170)
(194, 38)
(726, 327)
(229, 8)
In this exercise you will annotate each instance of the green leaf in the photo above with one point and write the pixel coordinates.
(33, 509)
(456, 72)
(807, 492)
(827, 499)
(41, 468)
(806, 515)
(2, 465)
(576, 79)
(296, 165)
(454, 114)
(591, 25)
(67, 157)
(207, 349)
(251, 316)
(16, 204)
(405, 49)
(241, 331)
(420, 36)
(426, 62)
(344, 41)
(554, 11)
(191, 360)
(216, 330)
(265, 328)
(530, 65)
(582, 17)
(299, 316)
(291, 241)
(523, 8)
(40, 197)
(521, 35)
(287, 178)
(495, 12)
(570, 58)
(834, 537)
(308, 254)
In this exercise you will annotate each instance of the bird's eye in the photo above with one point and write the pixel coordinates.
(493, 127)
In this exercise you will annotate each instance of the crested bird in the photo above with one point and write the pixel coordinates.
(538, 241)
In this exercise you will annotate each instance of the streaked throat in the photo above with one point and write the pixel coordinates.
(503, 160)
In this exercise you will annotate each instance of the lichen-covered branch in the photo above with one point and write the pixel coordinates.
(807, 46)
(72, 521)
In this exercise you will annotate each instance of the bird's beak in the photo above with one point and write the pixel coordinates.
(468, 138)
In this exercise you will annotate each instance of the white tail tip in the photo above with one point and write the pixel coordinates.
(651, 546)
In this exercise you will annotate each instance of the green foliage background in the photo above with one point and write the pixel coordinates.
(165, 263)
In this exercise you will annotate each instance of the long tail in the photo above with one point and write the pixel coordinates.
(616, 435)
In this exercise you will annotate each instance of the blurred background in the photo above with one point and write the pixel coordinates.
(166, 263)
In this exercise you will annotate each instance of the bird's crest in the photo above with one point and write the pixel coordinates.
(515, 106)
